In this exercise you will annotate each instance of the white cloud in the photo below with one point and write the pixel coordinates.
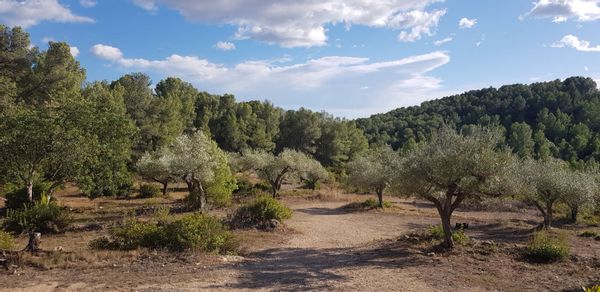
(88, 3)
(586, 68)
(467, 23)
(31, 12)
(107, 52)
(323, 83)
(442, 41)
(46, 40)
(74, 51)
(574, 42)
(302, 23)
(224, 46)
(562, 10)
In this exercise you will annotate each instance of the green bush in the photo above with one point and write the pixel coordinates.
(149, 191)
(195, 232)
(588, 233)
(18, 199)
(44, 216)
(458, 236)
(546, 247)
(199, 232)
(595, 288)
(260, 212)
(371, 203)
(6, 241)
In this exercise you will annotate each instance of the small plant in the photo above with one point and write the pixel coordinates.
(458, 236)
(260, 212)
(44, 216)
(371, 203)
(6, 241)
(595, 288)
(149, 191)
(588, 233)
(546, 247)
(193, 232)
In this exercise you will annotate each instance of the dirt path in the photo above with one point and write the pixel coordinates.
(325, 255)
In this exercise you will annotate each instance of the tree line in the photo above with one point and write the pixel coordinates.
(55, 127)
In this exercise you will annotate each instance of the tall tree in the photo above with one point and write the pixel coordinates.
(299, 130)
(520, 139)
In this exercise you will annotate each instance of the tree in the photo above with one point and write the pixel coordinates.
(154, 166)
(520, 139)
(340, 142)
(377, 171)
(111, 134)
(580, 190)
(543, 183)
(299, 130)
(452, 167)
(276, 169)
(195, 159)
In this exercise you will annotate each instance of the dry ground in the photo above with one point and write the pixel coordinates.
(323, 247)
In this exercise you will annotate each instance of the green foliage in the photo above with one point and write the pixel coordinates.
(17, 199)
(196, 232)
(588, 233)
(221, 187)
(547, 247)
(260, 212)
(44, 216)
(7, 242)
(563, 115)
(372, 203)
(149, 191)
(594, 288)
(458, 236)
(376, 170)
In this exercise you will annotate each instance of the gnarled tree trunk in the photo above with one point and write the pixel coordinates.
(197, 196)
(33, 245)
(380, 197)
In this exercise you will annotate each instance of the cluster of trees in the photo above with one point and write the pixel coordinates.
(558, 119)
(57, 128)
(454, 166)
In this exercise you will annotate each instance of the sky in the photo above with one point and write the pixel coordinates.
(350, 58)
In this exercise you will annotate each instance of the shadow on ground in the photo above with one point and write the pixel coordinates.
(301, 269)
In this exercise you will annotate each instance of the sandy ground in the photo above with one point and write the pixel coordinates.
(326, 248)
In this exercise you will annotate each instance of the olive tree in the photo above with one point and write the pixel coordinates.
(313, 174)
(543, 183)
(154, 166)
(377, 170)
(452, 167)
(580, 190)
(275, 169)
(195, 159)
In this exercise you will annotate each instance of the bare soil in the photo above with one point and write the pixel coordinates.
(323, 247)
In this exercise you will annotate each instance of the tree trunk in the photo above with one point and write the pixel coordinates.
(574, 212)
(274, 192)
(165, 188)
(30, 191)
(548, 215)
(35, 239)
(197, 197)
(380, 198)
(448, 241)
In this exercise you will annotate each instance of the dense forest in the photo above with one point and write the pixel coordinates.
(556, 118)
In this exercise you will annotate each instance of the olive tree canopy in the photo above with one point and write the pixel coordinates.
(451, 167)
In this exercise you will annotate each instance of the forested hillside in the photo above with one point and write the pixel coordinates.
(557, 118)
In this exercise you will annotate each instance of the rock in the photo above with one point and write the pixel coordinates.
(431, 254)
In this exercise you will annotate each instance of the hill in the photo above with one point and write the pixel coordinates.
(556, 118)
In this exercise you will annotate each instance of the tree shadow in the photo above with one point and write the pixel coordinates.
(302, 269)
(324, 211)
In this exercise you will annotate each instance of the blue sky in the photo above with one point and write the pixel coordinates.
(350, 58)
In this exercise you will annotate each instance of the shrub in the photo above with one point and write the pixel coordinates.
(588, 233)
(196, 232)
(458, 236)
(44, 216)
(199, 232)
(6, 241)
(371, 203)
(546, 247)
(262, 186)
(18, 199)
(595, 288)
(260, 212)
(149, 191)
